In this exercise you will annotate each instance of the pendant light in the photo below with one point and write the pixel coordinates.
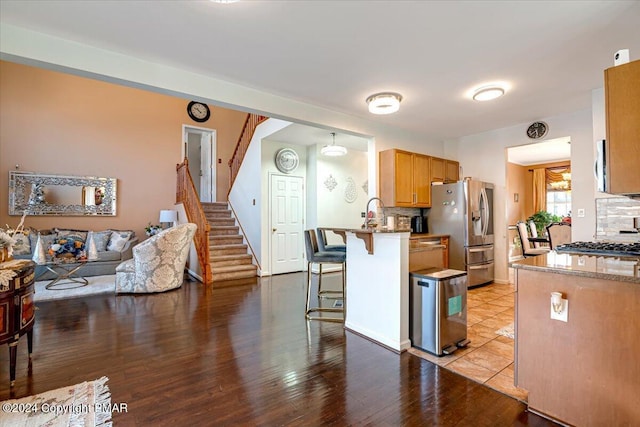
(333, 149)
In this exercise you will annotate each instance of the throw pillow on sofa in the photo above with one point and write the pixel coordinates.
(75, 234)
(101, 239)
(118, 239)
(23, 245)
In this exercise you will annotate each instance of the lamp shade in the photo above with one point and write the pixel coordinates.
(168, 216)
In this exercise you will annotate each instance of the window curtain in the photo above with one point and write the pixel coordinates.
(539, 190)
(555, 176)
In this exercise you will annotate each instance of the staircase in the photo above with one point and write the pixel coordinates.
(228, 255)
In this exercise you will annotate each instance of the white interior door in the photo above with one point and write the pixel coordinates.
(287, 224)
(200, 149)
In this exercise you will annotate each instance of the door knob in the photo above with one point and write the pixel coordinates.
(274, 230)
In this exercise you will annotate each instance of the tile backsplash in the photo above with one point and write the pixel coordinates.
(615, 214)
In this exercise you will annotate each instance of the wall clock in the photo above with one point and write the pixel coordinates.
(286, 160)
(198, 111)
(537, 130)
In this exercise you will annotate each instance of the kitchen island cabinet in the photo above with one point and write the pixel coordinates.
(584, 371)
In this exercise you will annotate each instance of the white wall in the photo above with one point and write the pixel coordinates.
(248, 187)
(333, 209)
(484, 157)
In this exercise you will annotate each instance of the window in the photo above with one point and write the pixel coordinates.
(559, 202)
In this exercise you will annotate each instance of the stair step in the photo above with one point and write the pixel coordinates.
(227, 260)
(227, 250)
(225, 239)
(233, 272)
(223, 230)
(221, 222)
(217, 214)
(216, 206)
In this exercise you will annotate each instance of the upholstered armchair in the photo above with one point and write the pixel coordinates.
(158, 262)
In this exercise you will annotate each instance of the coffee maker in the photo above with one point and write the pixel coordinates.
(419, 224)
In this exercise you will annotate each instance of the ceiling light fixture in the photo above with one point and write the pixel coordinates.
(487, 93)
(384, 103)
(332, 149)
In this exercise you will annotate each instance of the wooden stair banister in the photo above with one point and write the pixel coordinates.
(187, 195)
(250, 125)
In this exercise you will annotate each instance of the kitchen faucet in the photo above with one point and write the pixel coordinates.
(366, 218)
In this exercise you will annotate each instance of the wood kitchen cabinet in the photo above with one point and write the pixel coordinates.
(622, 104)
(405, 179)
(443, 170)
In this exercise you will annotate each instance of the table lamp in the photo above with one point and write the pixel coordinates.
(168, 216)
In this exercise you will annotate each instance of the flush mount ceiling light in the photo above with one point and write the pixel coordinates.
(487, 93)
(332, 149)
(384, 103)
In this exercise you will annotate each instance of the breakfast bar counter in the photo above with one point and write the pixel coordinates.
(378, 287)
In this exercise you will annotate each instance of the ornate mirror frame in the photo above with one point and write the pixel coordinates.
(41, 194)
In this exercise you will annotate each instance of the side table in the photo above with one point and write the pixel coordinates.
(17, 309)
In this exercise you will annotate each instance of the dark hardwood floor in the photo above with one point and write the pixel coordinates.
(243, 355)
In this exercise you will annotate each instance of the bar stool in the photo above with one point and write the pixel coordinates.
(314, 255)
(322, 243)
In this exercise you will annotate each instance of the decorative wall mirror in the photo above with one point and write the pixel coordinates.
(39, 194)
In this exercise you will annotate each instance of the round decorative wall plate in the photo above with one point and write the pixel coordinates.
(286, 160)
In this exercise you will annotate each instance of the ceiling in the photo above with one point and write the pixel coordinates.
(308, 135)
(333, 54)
(549, 151)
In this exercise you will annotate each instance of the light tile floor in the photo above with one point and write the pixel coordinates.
(488, 359)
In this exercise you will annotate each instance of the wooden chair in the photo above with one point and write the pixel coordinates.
(527, 249)
(559, 233)
(533, 232)
(315, 256)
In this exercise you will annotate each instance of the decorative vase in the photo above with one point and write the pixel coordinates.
(39, 256)
(92, 252)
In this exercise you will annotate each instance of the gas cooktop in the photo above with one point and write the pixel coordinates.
(601, 248)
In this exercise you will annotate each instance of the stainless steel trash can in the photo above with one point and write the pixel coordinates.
(438, 310)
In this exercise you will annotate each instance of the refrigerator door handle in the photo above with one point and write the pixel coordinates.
(485, 211)
(483, 249)
(478, 267)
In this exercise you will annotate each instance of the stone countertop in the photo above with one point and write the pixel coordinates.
(624, 269)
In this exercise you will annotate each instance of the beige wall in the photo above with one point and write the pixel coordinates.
(518, 182)
(62, 124)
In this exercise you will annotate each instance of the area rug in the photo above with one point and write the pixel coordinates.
(507, 331)
(87, 404)
(97, 285)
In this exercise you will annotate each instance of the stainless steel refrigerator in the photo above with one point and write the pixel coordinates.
(464, 211)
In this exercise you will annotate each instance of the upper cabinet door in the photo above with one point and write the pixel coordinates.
(622, 97)
(422, 180)
(404, 171)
